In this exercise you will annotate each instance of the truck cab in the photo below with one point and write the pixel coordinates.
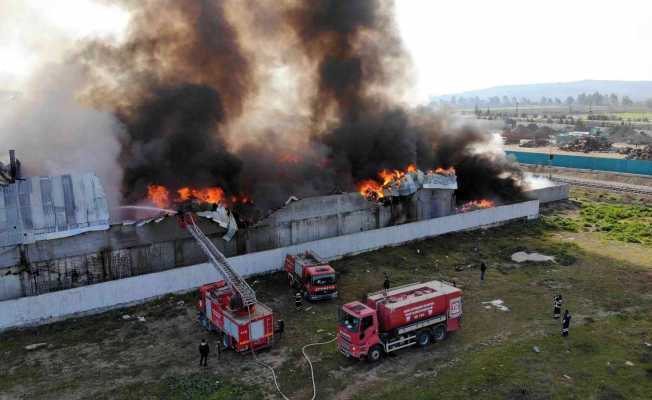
(358, 330)
(311, 275)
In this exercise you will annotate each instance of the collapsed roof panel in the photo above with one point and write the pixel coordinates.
(50, 207)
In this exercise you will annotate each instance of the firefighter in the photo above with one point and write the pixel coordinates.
(280, 328)
(556, 304)
(204, 349)
(483, 269)
(386, 283)
(297, 300)
(565, 323)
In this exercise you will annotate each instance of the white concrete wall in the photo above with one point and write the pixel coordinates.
(94, 298)
(556, 192)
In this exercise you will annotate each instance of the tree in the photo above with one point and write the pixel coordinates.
(613, 99)
(557, 101)
(570, 100)
(506, 101)
(627, 101)
(543, 101)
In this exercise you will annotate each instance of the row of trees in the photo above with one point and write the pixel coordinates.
(584, 99)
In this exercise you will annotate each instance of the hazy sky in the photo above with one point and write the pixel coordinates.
(456, 45)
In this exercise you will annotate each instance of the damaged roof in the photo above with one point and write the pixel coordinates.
(51, 207)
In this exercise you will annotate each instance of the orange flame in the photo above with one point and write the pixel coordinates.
(374, 189)
(371, 189)
(213, 195)
(476, 205)
(443, 171)
(158, 195)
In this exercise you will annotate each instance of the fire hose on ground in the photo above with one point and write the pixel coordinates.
(303, 351)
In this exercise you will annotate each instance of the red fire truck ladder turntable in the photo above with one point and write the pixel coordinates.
(232, 278)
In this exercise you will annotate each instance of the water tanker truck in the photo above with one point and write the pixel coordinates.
(393, 319)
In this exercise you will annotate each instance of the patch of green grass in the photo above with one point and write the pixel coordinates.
(629, 223)
(594, 368)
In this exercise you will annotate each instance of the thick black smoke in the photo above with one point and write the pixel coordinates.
(175, 81)
(373, 132)
(189, 69)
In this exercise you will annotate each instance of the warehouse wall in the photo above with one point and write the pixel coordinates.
(58, 305)
(549, 194)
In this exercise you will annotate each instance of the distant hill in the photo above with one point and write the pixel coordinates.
(636, 90)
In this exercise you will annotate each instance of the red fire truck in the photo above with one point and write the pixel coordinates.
(310, 274)
(230, 305)
(243, 327)
(400, 317)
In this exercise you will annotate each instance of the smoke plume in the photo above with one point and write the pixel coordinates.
(272, 99)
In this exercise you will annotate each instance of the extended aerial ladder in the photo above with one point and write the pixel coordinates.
(221, 264)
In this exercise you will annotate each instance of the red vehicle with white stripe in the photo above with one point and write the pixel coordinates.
(404, 316)
(243, 327)
(311, 275)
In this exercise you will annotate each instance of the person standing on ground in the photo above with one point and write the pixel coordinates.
(204, 349)
(483, 269)
(386, 283)
(565, 323)
(297, 300)
(557, 302)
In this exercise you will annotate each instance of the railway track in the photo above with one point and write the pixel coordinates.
(615, 187)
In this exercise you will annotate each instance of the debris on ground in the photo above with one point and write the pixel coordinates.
(35, 346)
(126, 317)
(181, 303)
(629, 363)
(141, 319)
(497, 304)
(567, 377)
(639, 153)
(536, 349)
(460, 268)
(521, 256)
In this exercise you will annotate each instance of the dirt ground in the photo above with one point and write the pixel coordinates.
(606, 284)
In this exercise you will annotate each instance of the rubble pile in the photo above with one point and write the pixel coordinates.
(638, 153)
(587, 144)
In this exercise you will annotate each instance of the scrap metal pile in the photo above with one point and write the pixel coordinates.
(638, 153)
(587, 144)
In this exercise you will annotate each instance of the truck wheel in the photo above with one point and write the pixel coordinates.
(423, 338)
(439, 333)
(374, 354)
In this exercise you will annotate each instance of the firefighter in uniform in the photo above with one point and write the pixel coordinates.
(386, 283)
(557, 302)
(204, 349)
(565, 323)
(297, 300)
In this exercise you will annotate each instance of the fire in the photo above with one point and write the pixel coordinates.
(371, 189)
(476, 205)
(159, 195)
(374, 189)
(443, 171)
(213, 195)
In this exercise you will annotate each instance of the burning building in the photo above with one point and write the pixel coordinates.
(244, 107)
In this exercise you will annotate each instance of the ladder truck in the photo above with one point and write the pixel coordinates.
(230, 305)
(404, 316)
